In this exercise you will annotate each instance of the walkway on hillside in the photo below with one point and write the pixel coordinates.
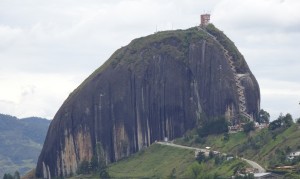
(250, 162)
(206, 152)
(255, 165)
(240, 88)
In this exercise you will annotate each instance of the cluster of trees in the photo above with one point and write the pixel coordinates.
(9, 176)
(213, 126)
(280, 157)
(205, 163)
(263, 116)
(250, 126)
(96, 165)
(282, 122)
(218, 158)
(220, 125)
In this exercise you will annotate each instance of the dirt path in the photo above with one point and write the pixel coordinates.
(250, 162)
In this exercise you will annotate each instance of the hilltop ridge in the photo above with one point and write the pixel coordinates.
(21, 141)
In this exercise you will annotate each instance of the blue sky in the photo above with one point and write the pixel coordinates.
(47, 48)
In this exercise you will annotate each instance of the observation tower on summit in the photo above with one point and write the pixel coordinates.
(205, 18)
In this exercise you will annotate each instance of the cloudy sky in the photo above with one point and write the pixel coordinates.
(47, 48)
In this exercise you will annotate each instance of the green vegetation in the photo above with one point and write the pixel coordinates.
(142, 50)
(213, 126)
(269, 147)
(216, 166)
(96, 165)
(160, 161)
(157, 161)
(9, 176)
(282, 122)
(209, 169)
(263, 116)
(21, 143)
(249, 127)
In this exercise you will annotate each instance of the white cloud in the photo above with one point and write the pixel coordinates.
(46, 44)
(267, 32)
(26, 95)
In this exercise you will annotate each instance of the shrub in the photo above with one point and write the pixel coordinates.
(213, 126)
(249, 127)
(83, 167)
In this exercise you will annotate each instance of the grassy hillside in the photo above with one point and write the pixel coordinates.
(161, 161)
(267, 147)
(157, 161)
(21, 141)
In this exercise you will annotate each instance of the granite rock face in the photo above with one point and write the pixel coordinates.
(157, 86)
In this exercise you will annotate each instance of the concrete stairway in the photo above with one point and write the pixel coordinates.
(237, 78)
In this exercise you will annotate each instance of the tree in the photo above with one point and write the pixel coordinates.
(238, 167)
(249, 127)
(17, 175)
(211, 154)
(94, 163)
(263, 116)
(285, 121)
(213, 126)
(200, 157)
(218, 159)
(288, 120)
(226, 137)
(8, 176)
(104, 174)
(298, 121)
(276, 123)
(83, 167)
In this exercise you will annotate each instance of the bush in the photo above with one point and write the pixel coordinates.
(249, 127)
(200, 140)
(8, 176)
(263, 116)
(219, 159)
(282, 121)
(226, 137)
(104, 174)
(83, 167)
(201, 157)
(213, 126)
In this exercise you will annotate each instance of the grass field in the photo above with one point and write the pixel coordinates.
(157, 161)
(160, 161)
(259, 146)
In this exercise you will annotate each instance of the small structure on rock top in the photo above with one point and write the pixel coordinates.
(205, 19)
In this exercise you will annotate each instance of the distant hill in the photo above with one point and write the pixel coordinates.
(21, 141)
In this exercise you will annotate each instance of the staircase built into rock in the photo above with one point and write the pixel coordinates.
(237, 77)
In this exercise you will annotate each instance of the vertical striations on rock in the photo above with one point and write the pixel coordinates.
(157, 86)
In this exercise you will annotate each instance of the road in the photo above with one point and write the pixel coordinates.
(250, 162)
(255, 165)
(206, 152)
